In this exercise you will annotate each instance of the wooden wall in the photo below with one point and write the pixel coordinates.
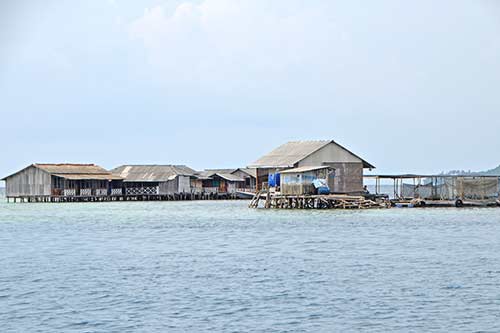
(184, 184)
(348, 177)
(263, 176)
(170, 186)
(297, 189)
(29, 182)
(181, 184)
(245, 176)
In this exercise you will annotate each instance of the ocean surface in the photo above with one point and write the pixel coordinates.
(221, 267)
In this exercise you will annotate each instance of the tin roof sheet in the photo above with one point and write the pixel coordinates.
(288, 154)
(306, 169)
(85, 176)
(152, 173)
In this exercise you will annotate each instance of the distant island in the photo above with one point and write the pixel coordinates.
(491, 172)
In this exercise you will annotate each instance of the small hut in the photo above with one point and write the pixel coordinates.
(41, 180)
(299, 181)
(220, 181)
(250, 177)
(155, 179)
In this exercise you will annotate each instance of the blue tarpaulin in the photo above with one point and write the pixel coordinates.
(274, 180)
(322, 186)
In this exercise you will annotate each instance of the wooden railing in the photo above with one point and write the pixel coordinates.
(150, 190)
(86, 192)
(69, 192)
(101, 192)
(248, 189)
(210, 190)
(116, 191)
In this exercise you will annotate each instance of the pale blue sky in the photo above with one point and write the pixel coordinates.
(217, 83)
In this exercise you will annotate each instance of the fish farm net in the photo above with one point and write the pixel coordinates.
(450, 188)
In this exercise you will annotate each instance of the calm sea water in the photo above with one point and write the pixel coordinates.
(219, 266)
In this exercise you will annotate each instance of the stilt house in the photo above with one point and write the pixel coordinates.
(155, 179)
(62, 180)
(220, 181)
(250, 177)
(347, 165)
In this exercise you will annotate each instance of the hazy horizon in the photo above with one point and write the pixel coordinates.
(410, 87)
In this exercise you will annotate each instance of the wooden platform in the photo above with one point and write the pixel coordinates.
(331, 201)
(420, 203)
(271, 200)
(110, 198)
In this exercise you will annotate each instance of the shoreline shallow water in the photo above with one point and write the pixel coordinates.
(218, 265)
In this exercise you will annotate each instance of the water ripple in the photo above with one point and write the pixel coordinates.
(219, 266)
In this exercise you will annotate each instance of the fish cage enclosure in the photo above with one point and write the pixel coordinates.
(438, 187)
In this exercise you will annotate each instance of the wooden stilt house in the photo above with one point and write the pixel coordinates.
(249, 176)
(220, 181)
(347, 165)
(62, 180)
(155, 179)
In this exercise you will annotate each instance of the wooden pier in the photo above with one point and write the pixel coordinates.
(116, 198)
(330, 201)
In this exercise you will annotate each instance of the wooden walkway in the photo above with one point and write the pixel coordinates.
(115, 198)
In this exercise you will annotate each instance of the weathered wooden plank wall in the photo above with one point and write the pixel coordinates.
(348, 177)
(170, 186)
(28, 182)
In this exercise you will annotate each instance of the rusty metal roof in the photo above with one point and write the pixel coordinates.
(287, 155)
(152, 173)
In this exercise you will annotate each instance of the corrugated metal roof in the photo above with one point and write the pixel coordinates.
(86, 176)
(229, 177)
(287, 155)
(68, 168)
(306, 169)
(220, 170)
(202, 176)
(152, 173)
(248, 171)
(209, 174)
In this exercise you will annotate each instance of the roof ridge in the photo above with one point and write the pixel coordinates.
(147, 165)
(309, 141)
(60, 164)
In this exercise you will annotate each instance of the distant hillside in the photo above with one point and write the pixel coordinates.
(492, 172)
